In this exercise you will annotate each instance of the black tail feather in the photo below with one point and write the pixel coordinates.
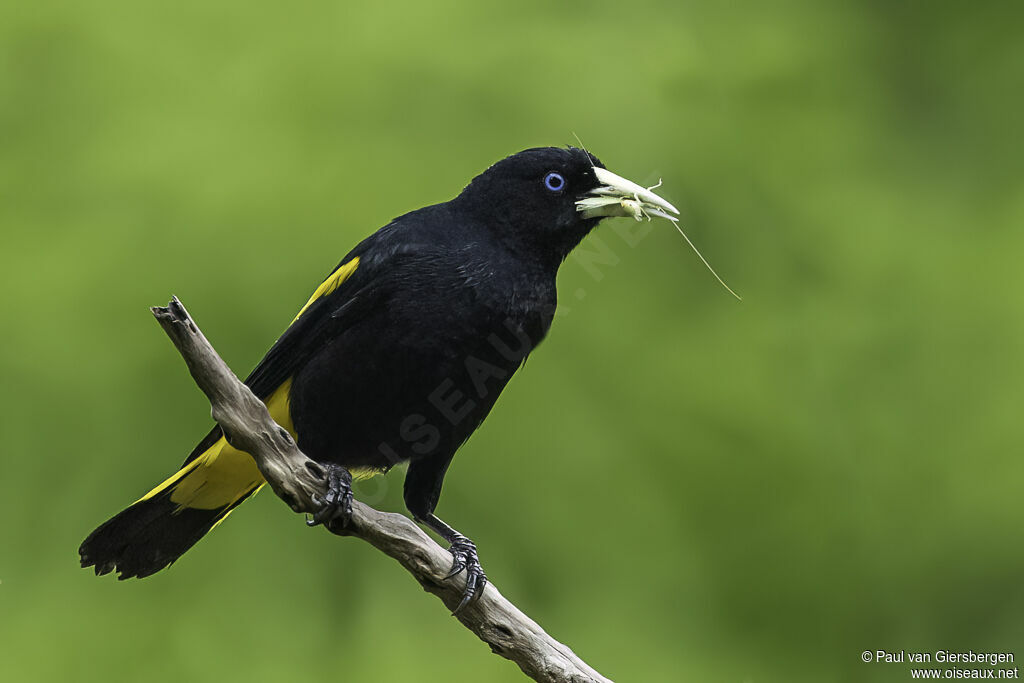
(148, 536)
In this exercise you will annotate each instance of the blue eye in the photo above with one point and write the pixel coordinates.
(554, 182)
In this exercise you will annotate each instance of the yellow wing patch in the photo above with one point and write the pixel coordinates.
(331, 283)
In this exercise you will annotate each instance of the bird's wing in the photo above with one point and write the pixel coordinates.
(312, 324)
(353, 287)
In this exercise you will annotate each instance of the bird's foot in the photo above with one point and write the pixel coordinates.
(464, 556)
(336, 507)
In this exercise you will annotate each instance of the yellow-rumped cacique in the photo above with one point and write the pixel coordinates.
(398, 356)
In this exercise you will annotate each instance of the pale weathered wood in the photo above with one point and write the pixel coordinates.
(296, 479)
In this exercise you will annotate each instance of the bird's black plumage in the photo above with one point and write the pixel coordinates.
(401, 358)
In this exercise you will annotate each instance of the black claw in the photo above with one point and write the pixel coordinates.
(335, 509)
(464, 556)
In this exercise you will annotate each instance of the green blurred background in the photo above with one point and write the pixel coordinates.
(678, 485)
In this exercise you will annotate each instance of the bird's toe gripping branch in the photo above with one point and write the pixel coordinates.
(336, 507)
(464, 556)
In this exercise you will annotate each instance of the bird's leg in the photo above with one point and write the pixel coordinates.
(464, 556)
(336, 508)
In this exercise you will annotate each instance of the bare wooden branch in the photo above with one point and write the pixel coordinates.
(296, 479)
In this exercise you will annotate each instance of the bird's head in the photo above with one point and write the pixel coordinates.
(545, 200)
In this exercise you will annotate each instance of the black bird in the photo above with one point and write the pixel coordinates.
(398, 356)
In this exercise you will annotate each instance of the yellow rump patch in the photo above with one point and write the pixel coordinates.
(223, 474)
(343, 272)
